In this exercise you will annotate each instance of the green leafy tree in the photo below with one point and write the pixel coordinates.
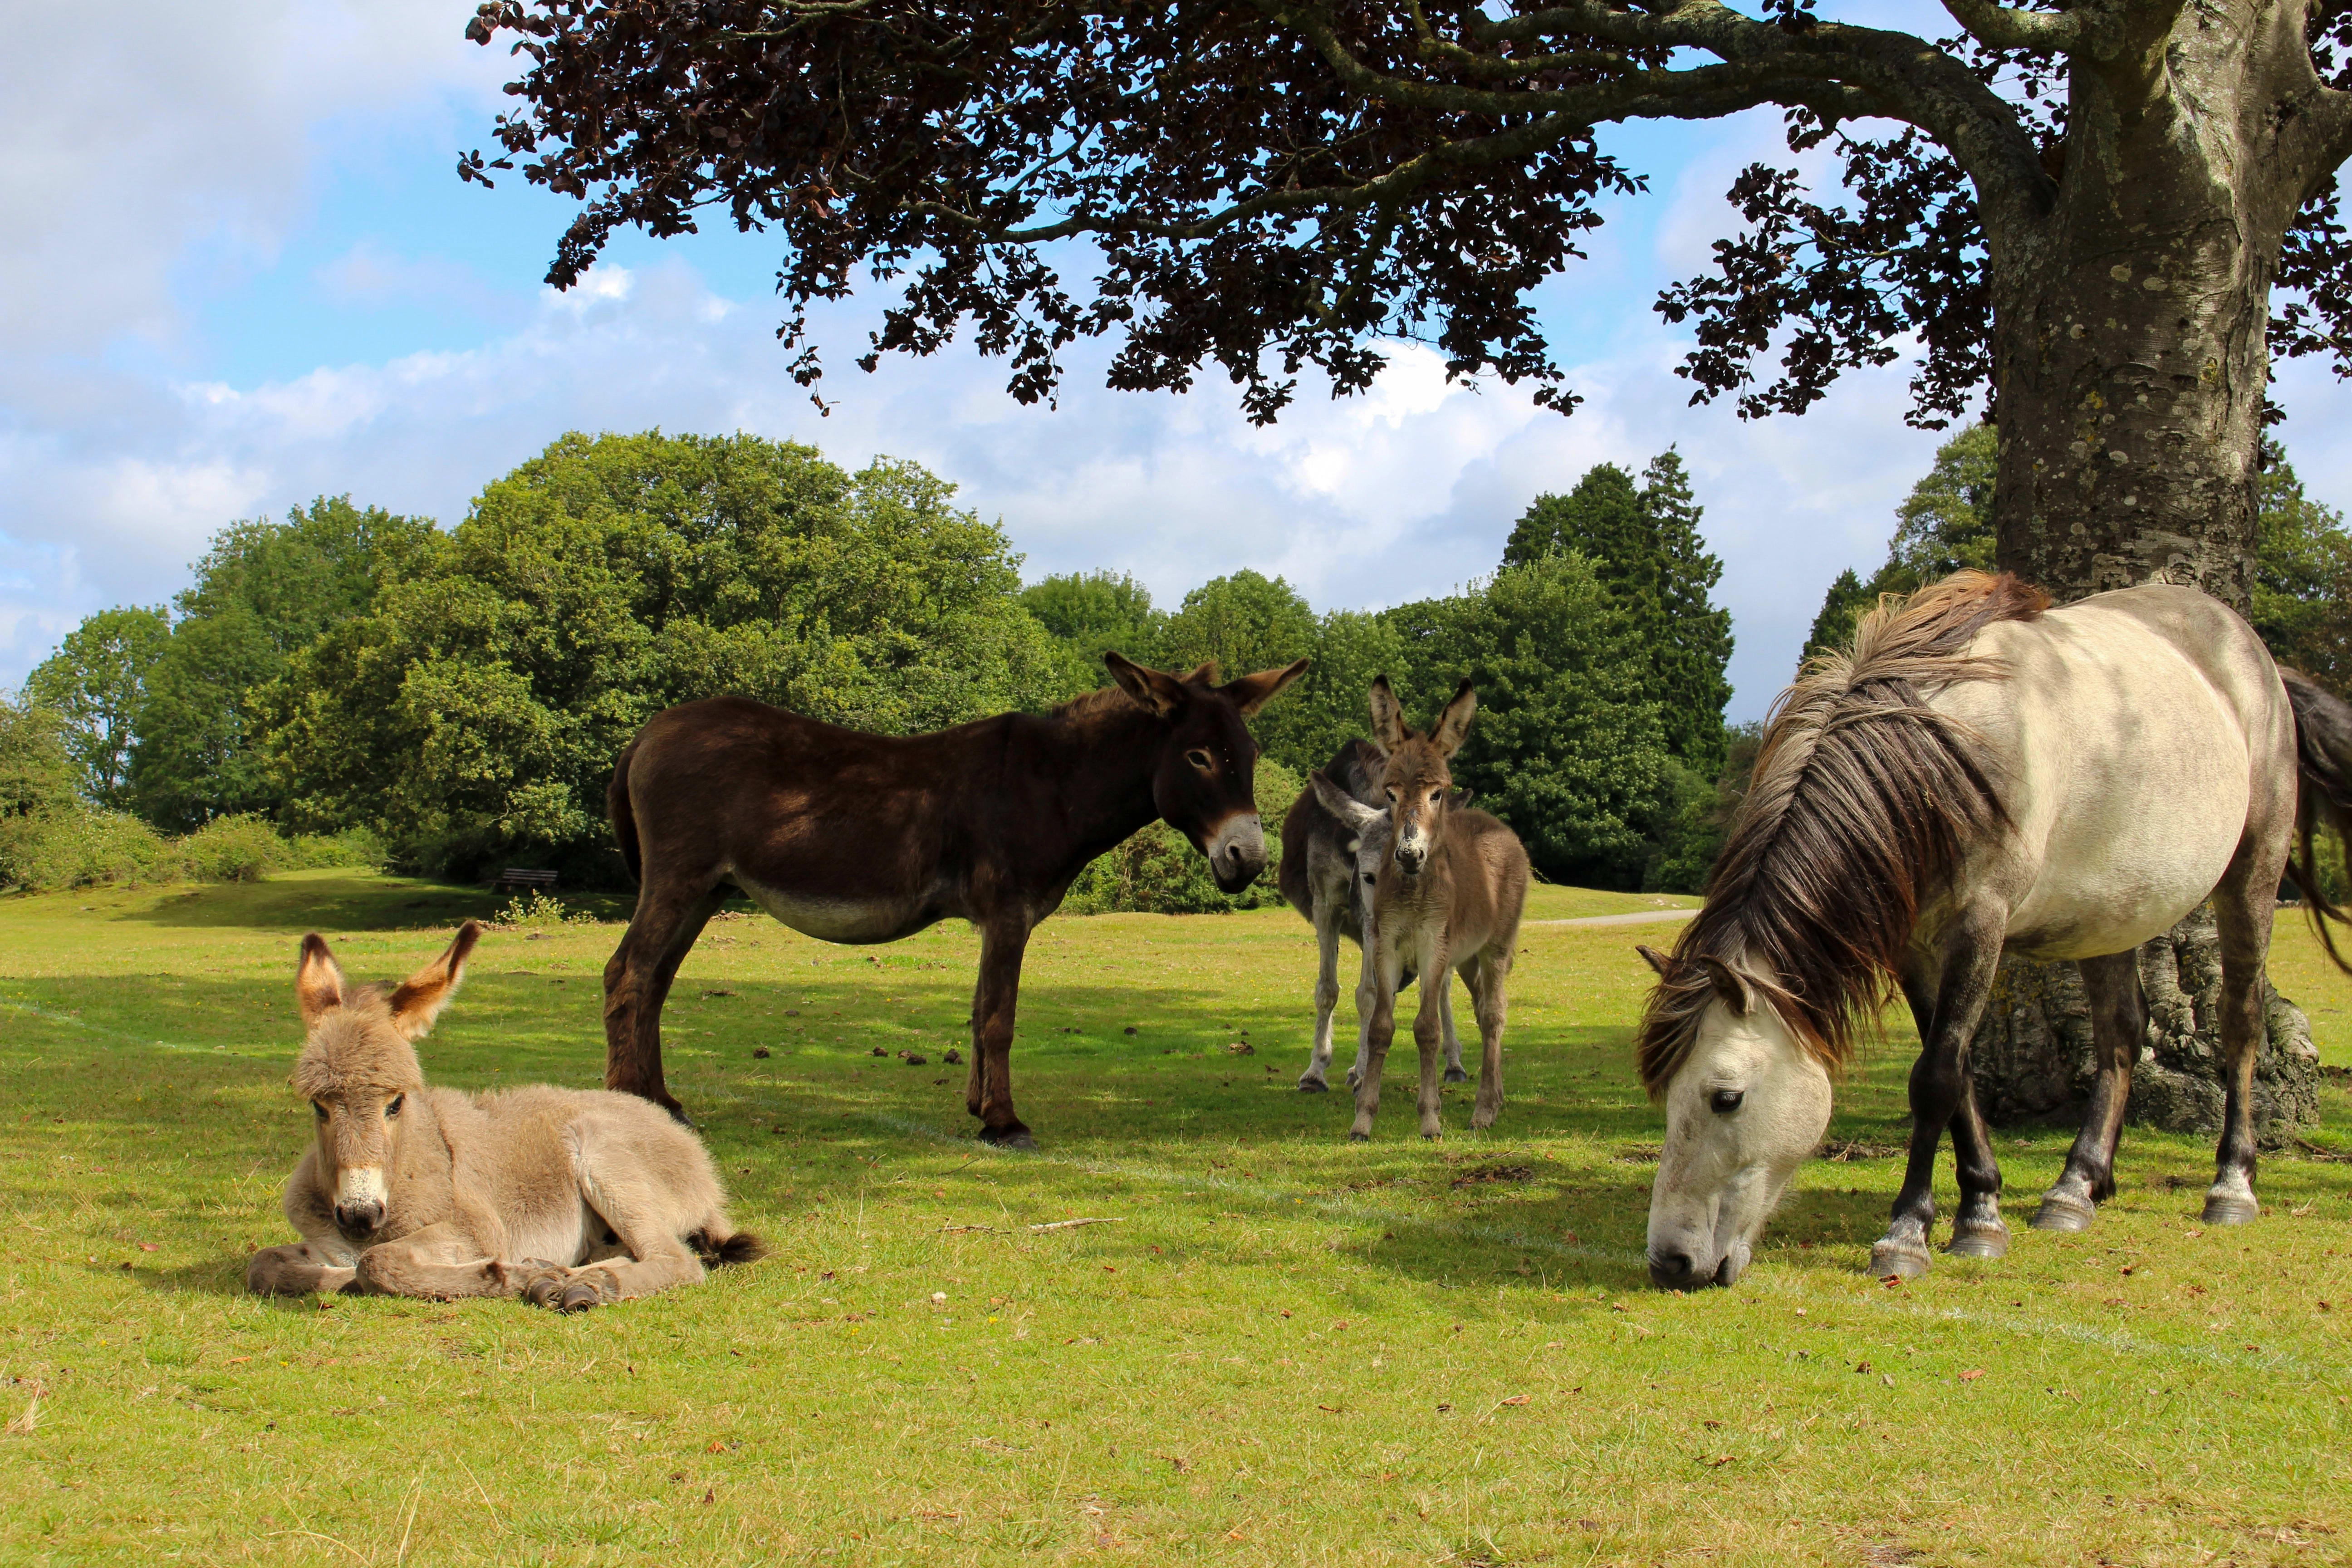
(1094, 613)
(476, 712)
(1325, 707)
(1644, 546)
(2303, 577)
(1247, 622)
(263, 592)
(1945, 523)
(1567, 747)
(96, 683)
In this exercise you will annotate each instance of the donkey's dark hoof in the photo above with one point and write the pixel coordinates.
(1456, 1075)
(2231, 1209)
(1979, 1239)
(677, 1114)
(1354, 1137)
(1313, 1085)
(578, 1297)
(2064, 1211)
(1008, 1138)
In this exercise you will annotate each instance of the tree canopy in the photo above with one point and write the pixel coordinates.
(1280, 185)
(1644, 546)
(95, 683)
(477, 711)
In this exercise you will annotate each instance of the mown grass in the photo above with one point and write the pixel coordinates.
(1286, 1350)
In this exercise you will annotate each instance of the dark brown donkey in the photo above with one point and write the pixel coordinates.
(864, 838)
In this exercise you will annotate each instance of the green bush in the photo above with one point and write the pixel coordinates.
(78, 846)
(1156, 872)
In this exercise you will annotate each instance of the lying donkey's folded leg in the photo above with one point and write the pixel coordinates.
(299, 1269)
(442, 1262)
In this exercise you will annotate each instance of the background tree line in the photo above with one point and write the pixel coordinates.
(456, 698)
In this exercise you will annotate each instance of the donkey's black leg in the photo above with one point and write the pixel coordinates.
(2118, 1026)
(993, 1004)
(1939, 1083)
(637, 980)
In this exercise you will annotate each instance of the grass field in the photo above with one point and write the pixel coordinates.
(1287, 1349)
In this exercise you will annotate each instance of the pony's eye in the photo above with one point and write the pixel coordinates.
(1724, 1102)
(320, 1107)
(1198, 758)
(393, 1108)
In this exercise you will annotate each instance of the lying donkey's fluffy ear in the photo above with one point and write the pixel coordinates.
(418, 1000)
(318, 980)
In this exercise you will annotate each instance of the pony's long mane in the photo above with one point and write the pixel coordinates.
(1862, 804)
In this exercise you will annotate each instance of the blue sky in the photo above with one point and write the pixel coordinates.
(241, 272)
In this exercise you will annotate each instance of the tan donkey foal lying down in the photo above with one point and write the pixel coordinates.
(571, 1198)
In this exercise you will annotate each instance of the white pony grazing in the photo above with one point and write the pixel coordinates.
(1979, 772)
(571, 1198)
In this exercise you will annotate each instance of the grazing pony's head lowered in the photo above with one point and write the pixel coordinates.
(1205, 781)
(359, 1072)
(1862, 801)
(1418, 781)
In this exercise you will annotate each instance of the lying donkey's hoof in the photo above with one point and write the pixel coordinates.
(1456, 1075)
(579, 1296)
(546, 1288)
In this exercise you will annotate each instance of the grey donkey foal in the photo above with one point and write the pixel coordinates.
(570, 1198)
(1329, 866)
(1448, 898)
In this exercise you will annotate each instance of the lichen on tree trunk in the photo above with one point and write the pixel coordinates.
(2033, 1057)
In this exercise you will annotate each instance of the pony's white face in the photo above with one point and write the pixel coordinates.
(1746, 1107)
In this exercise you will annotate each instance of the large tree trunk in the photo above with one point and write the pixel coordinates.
(2129, 365)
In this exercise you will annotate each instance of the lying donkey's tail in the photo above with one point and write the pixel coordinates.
(2323, 745)
(742, 1246)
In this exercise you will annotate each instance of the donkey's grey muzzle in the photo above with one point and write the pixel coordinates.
(1237, 852)
(358, 1220)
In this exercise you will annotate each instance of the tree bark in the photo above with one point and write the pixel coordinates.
(2129, 371)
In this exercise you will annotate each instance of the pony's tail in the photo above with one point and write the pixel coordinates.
(742, 1246)
(2323, 745)
(624, 815)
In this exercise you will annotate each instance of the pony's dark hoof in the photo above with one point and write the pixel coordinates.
(1008, 1137)
(2064, 1211)
(1902, 1259)
(1456, 1075)
(1979, 1239)
(2231, 1209)
(1313, 1085)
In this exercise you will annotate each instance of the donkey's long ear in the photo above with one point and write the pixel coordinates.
(318, 980)
(1155, 689)
(1250, 691)
(1655, 959)
(1201, 674)
(1453, 726)
(1387, 715)
(418, 1000)
(1343, 805)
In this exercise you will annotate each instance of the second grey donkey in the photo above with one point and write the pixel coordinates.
(1446, 898)
(1328, 868)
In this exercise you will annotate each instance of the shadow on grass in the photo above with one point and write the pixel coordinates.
(349, 901)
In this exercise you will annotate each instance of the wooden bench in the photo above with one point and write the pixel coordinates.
(523, 876)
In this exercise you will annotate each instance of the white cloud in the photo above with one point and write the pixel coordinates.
(137, 144)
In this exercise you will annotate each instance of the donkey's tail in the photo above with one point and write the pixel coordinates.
(2323, 745)
(742, 1246)
(624, 815)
